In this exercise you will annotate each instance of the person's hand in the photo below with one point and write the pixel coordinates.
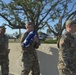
(36, 39)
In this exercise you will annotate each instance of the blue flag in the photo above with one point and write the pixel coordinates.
(29, 39)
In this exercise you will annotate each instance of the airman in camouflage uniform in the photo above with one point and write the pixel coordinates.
(4, 61)
(67, 50)
(30, 59)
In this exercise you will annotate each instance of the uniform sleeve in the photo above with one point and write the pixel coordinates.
(37, 38)
(64, 47)
(36, 41)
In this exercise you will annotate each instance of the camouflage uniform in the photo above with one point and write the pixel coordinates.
(4, 61)
(30, 59)
(67, 55)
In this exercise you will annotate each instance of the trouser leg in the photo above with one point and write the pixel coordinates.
(26, 68)
(5, 67)
(35, 68)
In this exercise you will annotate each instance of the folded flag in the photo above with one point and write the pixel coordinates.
(29, 39)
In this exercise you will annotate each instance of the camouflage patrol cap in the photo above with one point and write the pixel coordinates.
(2, 27)
(30, 24)
(71, 22)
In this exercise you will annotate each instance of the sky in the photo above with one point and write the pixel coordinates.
(11, 31)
